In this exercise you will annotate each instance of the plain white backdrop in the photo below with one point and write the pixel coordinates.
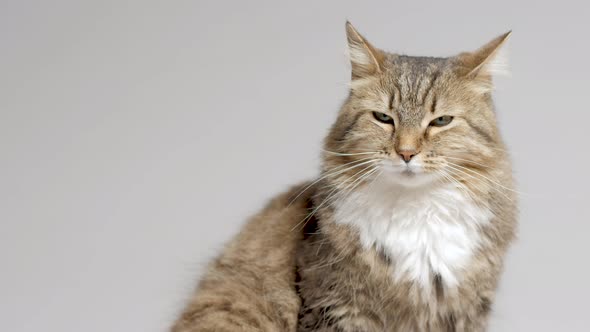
(137, 136)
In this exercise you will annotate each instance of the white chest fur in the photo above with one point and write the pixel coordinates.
(423, 231)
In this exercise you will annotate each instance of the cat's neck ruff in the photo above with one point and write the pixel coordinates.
(426, 231)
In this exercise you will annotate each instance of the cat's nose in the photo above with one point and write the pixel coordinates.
(407, 155)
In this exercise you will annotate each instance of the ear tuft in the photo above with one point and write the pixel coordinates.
(364, 58)
(486, 62)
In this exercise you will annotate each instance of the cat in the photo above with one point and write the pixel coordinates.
(406, 227)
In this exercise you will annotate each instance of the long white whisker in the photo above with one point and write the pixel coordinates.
(467, 160)
(452, 171)
(358, 181)
(335, 171)
(333, 192)
(350, 184)
(350, 154)
(485, 177)
(473, 177)
(374, 179)
(461, 186)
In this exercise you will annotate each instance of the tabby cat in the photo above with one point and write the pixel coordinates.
(407, 225)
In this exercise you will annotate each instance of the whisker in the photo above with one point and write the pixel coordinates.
(469, 161)
(350, 154)
(346, 192)
(451, 172)
(486, 166)
(364, 177)
(333, 193)
(485, 177)
(335, 171)
(374, 179)
(471, 176)
(337, 259)
(497, 149)
(370, 167)
(463, 187)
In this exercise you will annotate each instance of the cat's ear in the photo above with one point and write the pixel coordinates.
(364, 58)
(489, 60)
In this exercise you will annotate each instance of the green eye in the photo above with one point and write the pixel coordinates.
(382, 117)
(441, 121)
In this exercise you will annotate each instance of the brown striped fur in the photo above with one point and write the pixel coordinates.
(291, 271)
(251, 286)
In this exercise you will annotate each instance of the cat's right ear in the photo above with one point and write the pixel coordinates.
(364, 58)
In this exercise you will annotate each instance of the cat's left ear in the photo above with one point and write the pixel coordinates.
(489, 60)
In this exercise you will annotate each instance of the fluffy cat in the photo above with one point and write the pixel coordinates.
(405, 229)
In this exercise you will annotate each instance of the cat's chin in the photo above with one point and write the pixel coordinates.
(409, 178)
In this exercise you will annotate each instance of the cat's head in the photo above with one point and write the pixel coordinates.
(415, 120)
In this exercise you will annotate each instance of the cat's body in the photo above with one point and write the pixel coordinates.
(407, 226)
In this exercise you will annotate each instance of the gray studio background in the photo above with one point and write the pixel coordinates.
(137, 136)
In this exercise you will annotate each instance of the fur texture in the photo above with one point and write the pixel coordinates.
(427, 232)
(405, 229)
(251, 286)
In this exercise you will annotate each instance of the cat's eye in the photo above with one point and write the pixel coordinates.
(441, 121)
(382, 117)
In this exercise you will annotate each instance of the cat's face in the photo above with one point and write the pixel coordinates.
(413, 120)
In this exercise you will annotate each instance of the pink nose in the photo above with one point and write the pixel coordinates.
(407, 155)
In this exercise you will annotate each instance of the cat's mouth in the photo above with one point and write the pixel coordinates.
(408, 172)
(408, 175)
